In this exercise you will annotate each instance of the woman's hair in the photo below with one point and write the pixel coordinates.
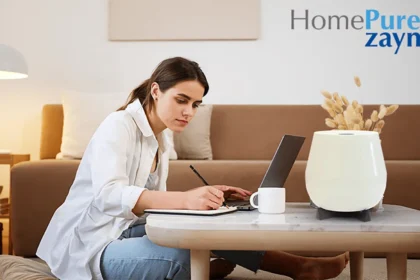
(168, 73)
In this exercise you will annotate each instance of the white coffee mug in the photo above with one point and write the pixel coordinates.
(270, 200)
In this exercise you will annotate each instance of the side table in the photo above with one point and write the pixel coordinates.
(11, 160)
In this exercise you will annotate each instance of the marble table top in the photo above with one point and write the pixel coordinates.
(298, 217)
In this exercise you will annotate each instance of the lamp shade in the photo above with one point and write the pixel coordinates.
(12, 64)
(346, 170)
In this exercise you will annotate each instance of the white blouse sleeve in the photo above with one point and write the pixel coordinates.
(112, 193)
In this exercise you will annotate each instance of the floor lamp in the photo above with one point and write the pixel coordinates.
(12, 64)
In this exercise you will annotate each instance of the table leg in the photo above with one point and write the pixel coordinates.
(200, 264)
(356, 265)
(396, 266)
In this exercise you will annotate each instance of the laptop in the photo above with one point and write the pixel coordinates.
(278, 170)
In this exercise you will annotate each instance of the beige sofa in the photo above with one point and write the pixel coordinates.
(243, 140)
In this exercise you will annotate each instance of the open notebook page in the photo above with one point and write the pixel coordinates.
(220, 211)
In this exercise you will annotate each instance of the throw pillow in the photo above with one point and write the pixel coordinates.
(83, 113)
(194, 141)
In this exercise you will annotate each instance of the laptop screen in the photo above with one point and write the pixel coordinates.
(282, 161)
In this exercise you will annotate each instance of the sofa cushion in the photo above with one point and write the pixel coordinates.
(194, 141)
(13, 267)
(33, 181)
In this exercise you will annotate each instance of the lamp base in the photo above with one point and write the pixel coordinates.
(322, 214)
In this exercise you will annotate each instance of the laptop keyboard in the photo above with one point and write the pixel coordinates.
(238, 203)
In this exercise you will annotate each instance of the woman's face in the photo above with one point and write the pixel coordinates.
(178, 105)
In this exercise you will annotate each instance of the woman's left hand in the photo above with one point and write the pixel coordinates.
(233, 192)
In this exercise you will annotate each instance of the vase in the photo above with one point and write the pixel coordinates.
(346, 170)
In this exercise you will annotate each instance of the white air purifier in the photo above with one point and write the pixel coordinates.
(346, 170)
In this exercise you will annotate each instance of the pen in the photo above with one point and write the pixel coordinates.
(204, 181)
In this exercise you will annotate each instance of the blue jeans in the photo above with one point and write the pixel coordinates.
(134, 256)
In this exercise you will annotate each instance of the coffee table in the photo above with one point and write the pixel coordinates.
(395, 231)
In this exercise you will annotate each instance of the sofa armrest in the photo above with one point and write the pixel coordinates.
(37, 189)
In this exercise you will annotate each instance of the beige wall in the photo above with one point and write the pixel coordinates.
(66, 46)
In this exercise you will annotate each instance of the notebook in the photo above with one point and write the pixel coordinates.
(222, 210)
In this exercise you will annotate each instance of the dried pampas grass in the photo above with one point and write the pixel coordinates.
(349, 116)
(357, 81)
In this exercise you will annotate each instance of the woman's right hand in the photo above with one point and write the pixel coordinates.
(204, 198)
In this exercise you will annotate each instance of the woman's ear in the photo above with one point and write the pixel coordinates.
(155, 90)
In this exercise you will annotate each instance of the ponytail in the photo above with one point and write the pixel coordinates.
(141, 93)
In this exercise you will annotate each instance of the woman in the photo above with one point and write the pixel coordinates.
(99, 230)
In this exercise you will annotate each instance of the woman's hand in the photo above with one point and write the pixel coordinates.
(204, 198)
(234, 192)
(212, 197)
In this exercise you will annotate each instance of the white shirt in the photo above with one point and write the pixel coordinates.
(111, 177)
(151, 184)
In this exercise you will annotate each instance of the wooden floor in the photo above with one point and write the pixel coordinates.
(5, 235)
